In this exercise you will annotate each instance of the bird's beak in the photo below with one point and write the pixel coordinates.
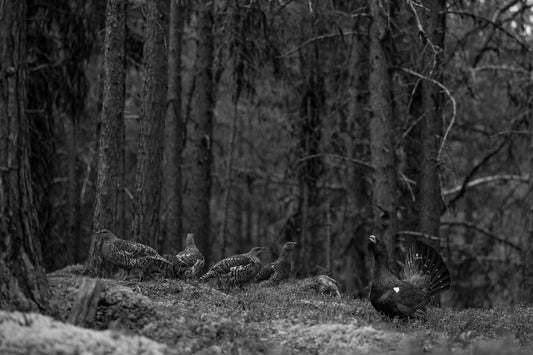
(372, 239)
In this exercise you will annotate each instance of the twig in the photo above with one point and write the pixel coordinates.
(484, 231)
(473, 172)
(317, 38)
(420, 234)
(448, 93)
(486, 180)
(330, 155)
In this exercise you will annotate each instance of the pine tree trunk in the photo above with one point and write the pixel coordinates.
(382, 152)
(202, 132)
(23, 283)
(73, 200)
(110, 179)
(432, 102)
(148, 175)
(172, 193)
(528, 252)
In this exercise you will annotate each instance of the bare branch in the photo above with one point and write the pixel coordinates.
(419, 234)
(473, 172)
(317, 38)
(448, 93)
(329, 155)
(492, 23)
(486, 180)
(483, 231)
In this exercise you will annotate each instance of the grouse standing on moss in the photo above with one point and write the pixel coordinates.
(279, 270)
(126, 253)
(425, 275)
(236, 270)
(189, 262)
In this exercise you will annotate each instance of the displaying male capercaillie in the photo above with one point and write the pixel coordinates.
(236, 270)
(189, 262)
(279, 270)
(126, 253)
(425, 275)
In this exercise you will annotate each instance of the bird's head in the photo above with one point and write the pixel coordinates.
(377, 246)
(189, 241)
(287, 247)
(105, 234)
(257, 251)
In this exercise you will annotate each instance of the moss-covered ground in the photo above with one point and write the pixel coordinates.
(161, 316)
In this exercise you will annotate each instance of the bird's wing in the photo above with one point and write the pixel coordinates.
(134, 249)
(265, 273)
(405, 297)
(241, 273)
(188, 257)
(224, 265)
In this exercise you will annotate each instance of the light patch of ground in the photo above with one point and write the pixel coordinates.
(30, 333)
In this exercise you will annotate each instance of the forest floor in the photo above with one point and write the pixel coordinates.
(163, 316)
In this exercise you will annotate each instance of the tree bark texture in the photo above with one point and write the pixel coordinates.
(110, 178)
(382, 152)
(528, 252)
(431, 124)
(23, 283)
(73, 195)
(202, 132)
(173, 160)
(148, 175)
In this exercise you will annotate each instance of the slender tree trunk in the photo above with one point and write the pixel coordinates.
(382, 152)
(173, 161)
(432, 102)
(148, 176)
(202, 132)
(528, 257)
(110, 179)
(73, 196)
(227, 191)
(23, 283)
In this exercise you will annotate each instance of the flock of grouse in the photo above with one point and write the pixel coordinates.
(424, 272)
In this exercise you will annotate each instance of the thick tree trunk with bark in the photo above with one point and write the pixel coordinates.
(110, 179)
(382, 152)
(23, 283)
(172, 192)
(431, 124)
(202, 132)
(148, 176)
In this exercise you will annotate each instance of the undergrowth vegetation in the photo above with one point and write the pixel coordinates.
(191, 317)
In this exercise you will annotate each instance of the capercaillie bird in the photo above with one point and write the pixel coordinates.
(236, 270)
(189, 262)
(279, 270)
(127, 253)
(424, 275)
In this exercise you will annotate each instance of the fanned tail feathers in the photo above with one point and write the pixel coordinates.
(424, 261)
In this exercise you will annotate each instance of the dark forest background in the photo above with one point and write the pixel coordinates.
(319, 122)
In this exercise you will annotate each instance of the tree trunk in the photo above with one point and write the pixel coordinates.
(148, 175)
(73, 199)
(202, 132)
(173, 160)
(23, 283)
(432, 102)
(382, 152)
(528, 252)
(110, 179)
